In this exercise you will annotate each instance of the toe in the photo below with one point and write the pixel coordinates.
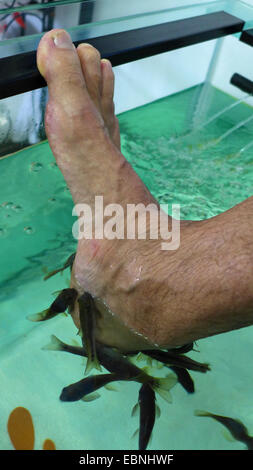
(58, 62)
(107, 103)
(90, 62)
(107, 91)
(70, 105)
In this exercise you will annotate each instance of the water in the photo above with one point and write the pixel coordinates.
(35, 233)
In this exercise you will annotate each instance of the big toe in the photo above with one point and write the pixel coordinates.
(59, 64)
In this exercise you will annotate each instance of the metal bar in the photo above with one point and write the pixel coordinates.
(19, 73)
(247, 37)
(243, 83)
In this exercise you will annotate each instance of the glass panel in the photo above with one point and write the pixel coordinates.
(89, 18)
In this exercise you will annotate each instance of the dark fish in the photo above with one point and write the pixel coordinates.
(235, 427)
(87, 313)
(117, 364)
(147, 414)
(65, 299)
(78, 390)
(184, 378)
(68, 263)
(172, 359)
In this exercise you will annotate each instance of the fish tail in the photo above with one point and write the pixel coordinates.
(55, 345)
(202, 413)
(41, 316)
(163, 386)
(92, 363)
(51, 273)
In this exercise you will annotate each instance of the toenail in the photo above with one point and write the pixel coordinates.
(106, 61)
(63, 40)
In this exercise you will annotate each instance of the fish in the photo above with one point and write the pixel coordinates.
(116, 363)
(172, 359)
(87, 315)
(80, 389)
(68, 263)
(234, 426)
(65, 299)
(147, 405)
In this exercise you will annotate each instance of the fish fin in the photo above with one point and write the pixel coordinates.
(74, 342)
(56, 292)
(149, 361)
(92, 364)
(228, 436)
(38, 316)
(159, 365)
(165, 394)
(195, 344)
(55, 344)
(91, 397)
(110, 387)
(146, 370)
(140, 357)
(135, 434)
(157, 411)
(168, 382)
(135, 409)
(163, 386)
(51, 273)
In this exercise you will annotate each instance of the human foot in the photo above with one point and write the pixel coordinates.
(83, 133)
(135, 283)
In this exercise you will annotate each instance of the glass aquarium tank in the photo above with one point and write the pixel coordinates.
(186, 121)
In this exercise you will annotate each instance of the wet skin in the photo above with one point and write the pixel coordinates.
(173, 297)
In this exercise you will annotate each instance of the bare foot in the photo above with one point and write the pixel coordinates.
(127, 277)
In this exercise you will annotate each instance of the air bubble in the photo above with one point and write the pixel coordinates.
(53, 165)
(28, 230)
(35, 167)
